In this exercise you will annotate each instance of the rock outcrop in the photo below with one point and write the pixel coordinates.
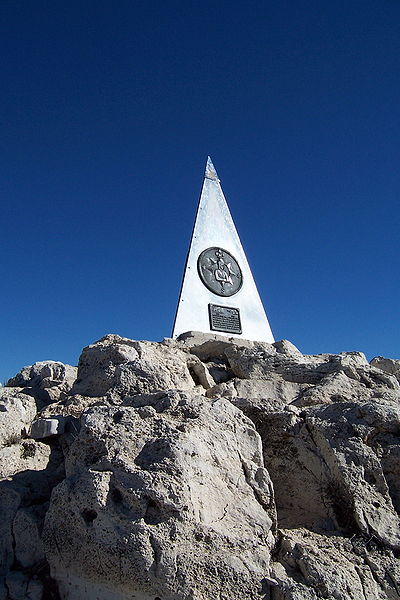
(47, 381)
(201, 468)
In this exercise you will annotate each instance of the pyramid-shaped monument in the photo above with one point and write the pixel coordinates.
(218, 292)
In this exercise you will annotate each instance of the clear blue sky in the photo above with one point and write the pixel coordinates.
(108, 110)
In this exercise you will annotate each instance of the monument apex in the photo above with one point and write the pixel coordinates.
(218, 293)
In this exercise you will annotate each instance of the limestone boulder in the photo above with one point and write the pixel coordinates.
(332, 466)
(24, 455)
(20, 586)
(201, 468)
(28, 472)
(275, 389)
(290, 377)
(44, 428)
(207, 346)
(350, 437)
(47, 381)
(17, 411)
(118, 367)
(72, 406)
(25, 478)
(313, 566)
(286, 347)
(262, 362)
(389, 454)
(98, 363)
(10, 501)
(165, 497)
(27, 529)
(388, 365)
(335, 387)
(272, 394)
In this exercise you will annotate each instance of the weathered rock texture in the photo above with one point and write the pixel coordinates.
(200, 469)
(47, 381)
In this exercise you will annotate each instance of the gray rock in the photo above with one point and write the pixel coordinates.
(314, 566)
(286, 347)
(274, 389)
(325, 467)
(44, 428)
(17, 410)
(262, 362)
(27, 525)
(388, 365)
(22, 587)
(344, 434)
(24, 455)
(169, 499)
(120, 367)
(29, 471)
(47, 381)
(165, 494)
(265, 394)
(98, 362)
(10, 501)
(389, 451)
(207, 346)
(223, 390)
(259, 362)
(335, 387)
(72, 406)
(201, 374)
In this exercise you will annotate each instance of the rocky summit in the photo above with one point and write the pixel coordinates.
(202, 468)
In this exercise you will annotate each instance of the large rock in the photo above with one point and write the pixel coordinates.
(47, 427)
(206, 345)
(165, 498)
(119, 367)
(73, 406)
(47, 381)
(28, 470)
(23, 456)
(17, 411)
(10, 501)
(329, 465)
(388, 365)
(168, 493)
(274, 390)
(313, 566)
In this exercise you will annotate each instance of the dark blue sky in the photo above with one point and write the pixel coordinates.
(108, 110)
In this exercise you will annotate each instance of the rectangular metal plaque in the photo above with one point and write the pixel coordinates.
(224, 318)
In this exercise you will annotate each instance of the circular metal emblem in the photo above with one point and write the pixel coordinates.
(219, 271)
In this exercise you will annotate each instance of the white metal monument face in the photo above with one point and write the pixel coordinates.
(218, 292)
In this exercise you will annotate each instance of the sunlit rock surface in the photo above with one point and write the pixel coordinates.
(201, 468)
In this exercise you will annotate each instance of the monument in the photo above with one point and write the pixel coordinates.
(218, 293)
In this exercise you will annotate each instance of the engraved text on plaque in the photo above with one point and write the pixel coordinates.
(224, 318)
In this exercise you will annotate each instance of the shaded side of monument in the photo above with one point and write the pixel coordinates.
(218, 293)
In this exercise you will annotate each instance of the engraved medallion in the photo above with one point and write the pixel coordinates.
(219, 271)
